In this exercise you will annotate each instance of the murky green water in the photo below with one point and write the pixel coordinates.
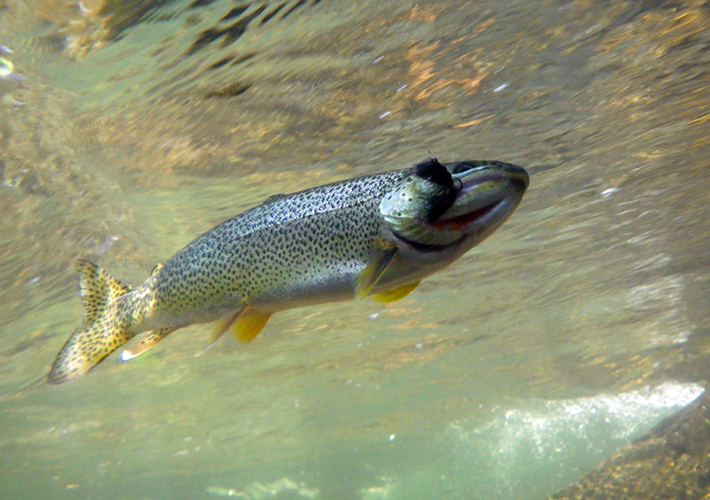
(576, 327)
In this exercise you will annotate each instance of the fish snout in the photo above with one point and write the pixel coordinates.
(517, 175)
(471, 173)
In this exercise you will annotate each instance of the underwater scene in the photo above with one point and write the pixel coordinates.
(566, 356)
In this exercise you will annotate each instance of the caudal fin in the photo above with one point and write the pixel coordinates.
(106, 325)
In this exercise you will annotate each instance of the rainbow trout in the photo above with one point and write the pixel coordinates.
(376, 236)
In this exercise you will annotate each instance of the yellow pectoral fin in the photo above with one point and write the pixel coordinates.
(249, 323)
(397, 293)
(368, 277)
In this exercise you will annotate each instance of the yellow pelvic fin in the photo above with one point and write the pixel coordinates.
(368, 277)
(107, 327)
(245, 324)
(396, 293)
(157, 268)
(249, 324)
(223, 326)
(145, 342)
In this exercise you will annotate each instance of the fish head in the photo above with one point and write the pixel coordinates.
(458, 204)
(424, 195)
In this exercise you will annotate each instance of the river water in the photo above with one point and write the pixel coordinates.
(129, 128)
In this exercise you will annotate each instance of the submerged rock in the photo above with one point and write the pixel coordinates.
(671, 461)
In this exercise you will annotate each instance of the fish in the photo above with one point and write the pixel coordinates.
(374, 236)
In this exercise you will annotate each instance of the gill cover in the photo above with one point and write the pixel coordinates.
(411, 208)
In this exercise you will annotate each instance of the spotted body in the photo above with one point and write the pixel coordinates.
(325, 244)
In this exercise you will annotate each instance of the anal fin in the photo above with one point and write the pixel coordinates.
(396, 293)
(145, 342)
(368, 277)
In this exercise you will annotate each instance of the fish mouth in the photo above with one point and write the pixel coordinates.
(489, 192)
(454, 226)
(427, 247)
(461, 221)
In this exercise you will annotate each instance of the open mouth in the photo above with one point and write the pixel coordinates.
(453, 224)
(427, 247)
(461, 221)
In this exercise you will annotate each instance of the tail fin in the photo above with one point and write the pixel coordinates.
(106, 325)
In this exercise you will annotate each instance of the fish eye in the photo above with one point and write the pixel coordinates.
(463, 167)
